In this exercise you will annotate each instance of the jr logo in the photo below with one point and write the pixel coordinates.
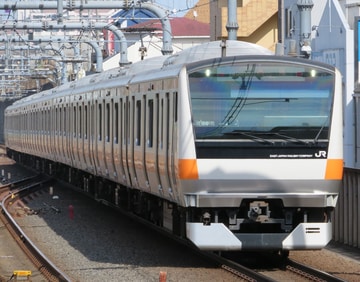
(320, 154)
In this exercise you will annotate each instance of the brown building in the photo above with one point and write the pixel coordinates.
(257, 20)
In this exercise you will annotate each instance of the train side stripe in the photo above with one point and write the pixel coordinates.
(188, 169)
(334, 169)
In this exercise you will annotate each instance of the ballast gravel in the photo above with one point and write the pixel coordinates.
(91, 242)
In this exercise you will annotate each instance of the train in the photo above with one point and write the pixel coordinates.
(224, 144)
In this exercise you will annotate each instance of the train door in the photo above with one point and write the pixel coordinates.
(86, 137)
(125, 134)
(173, 137)
(130, 123)
(49, 138)
(72, 131)
(117, 138)
(92, 132)
(109, 133)
(68, 116)
(167, 144)
(139, 141)
(163, 143)
(151, 152)
(58, 133)
(62, 134)
(30, 125)
(100, 150)
(80, 135)
(55, 133)
(35, 124)
(43, 131)
(35, 129)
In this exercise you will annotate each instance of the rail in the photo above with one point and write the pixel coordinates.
(47, 268)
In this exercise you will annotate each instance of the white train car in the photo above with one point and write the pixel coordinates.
(223, 143)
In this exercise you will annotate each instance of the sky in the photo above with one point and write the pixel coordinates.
(180, 6)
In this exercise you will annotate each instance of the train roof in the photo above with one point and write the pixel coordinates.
(216, 49)
(209, 50)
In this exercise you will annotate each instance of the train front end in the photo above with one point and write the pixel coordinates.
(260, 156)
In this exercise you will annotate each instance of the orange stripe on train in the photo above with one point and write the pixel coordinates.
(334, 169)
(188, 169)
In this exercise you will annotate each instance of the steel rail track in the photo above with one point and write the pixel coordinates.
(41, 262)
(310, 273)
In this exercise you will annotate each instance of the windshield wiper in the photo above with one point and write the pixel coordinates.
(289, 131)
(318, 134)
(291, 139)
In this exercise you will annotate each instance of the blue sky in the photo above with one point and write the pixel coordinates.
(179, 5)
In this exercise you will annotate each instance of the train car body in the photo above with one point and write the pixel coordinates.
(223, 143)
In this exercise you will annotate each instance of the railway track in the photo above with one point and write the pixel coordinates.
(17, 190)
(238, 269)
(288, 268)
(24, 187)
(311, 274)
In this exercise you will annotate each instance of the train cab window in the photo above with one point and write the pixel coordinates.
(252, 101)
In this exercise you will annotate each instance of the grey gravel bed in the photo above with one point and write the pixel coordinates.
(98, 244)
